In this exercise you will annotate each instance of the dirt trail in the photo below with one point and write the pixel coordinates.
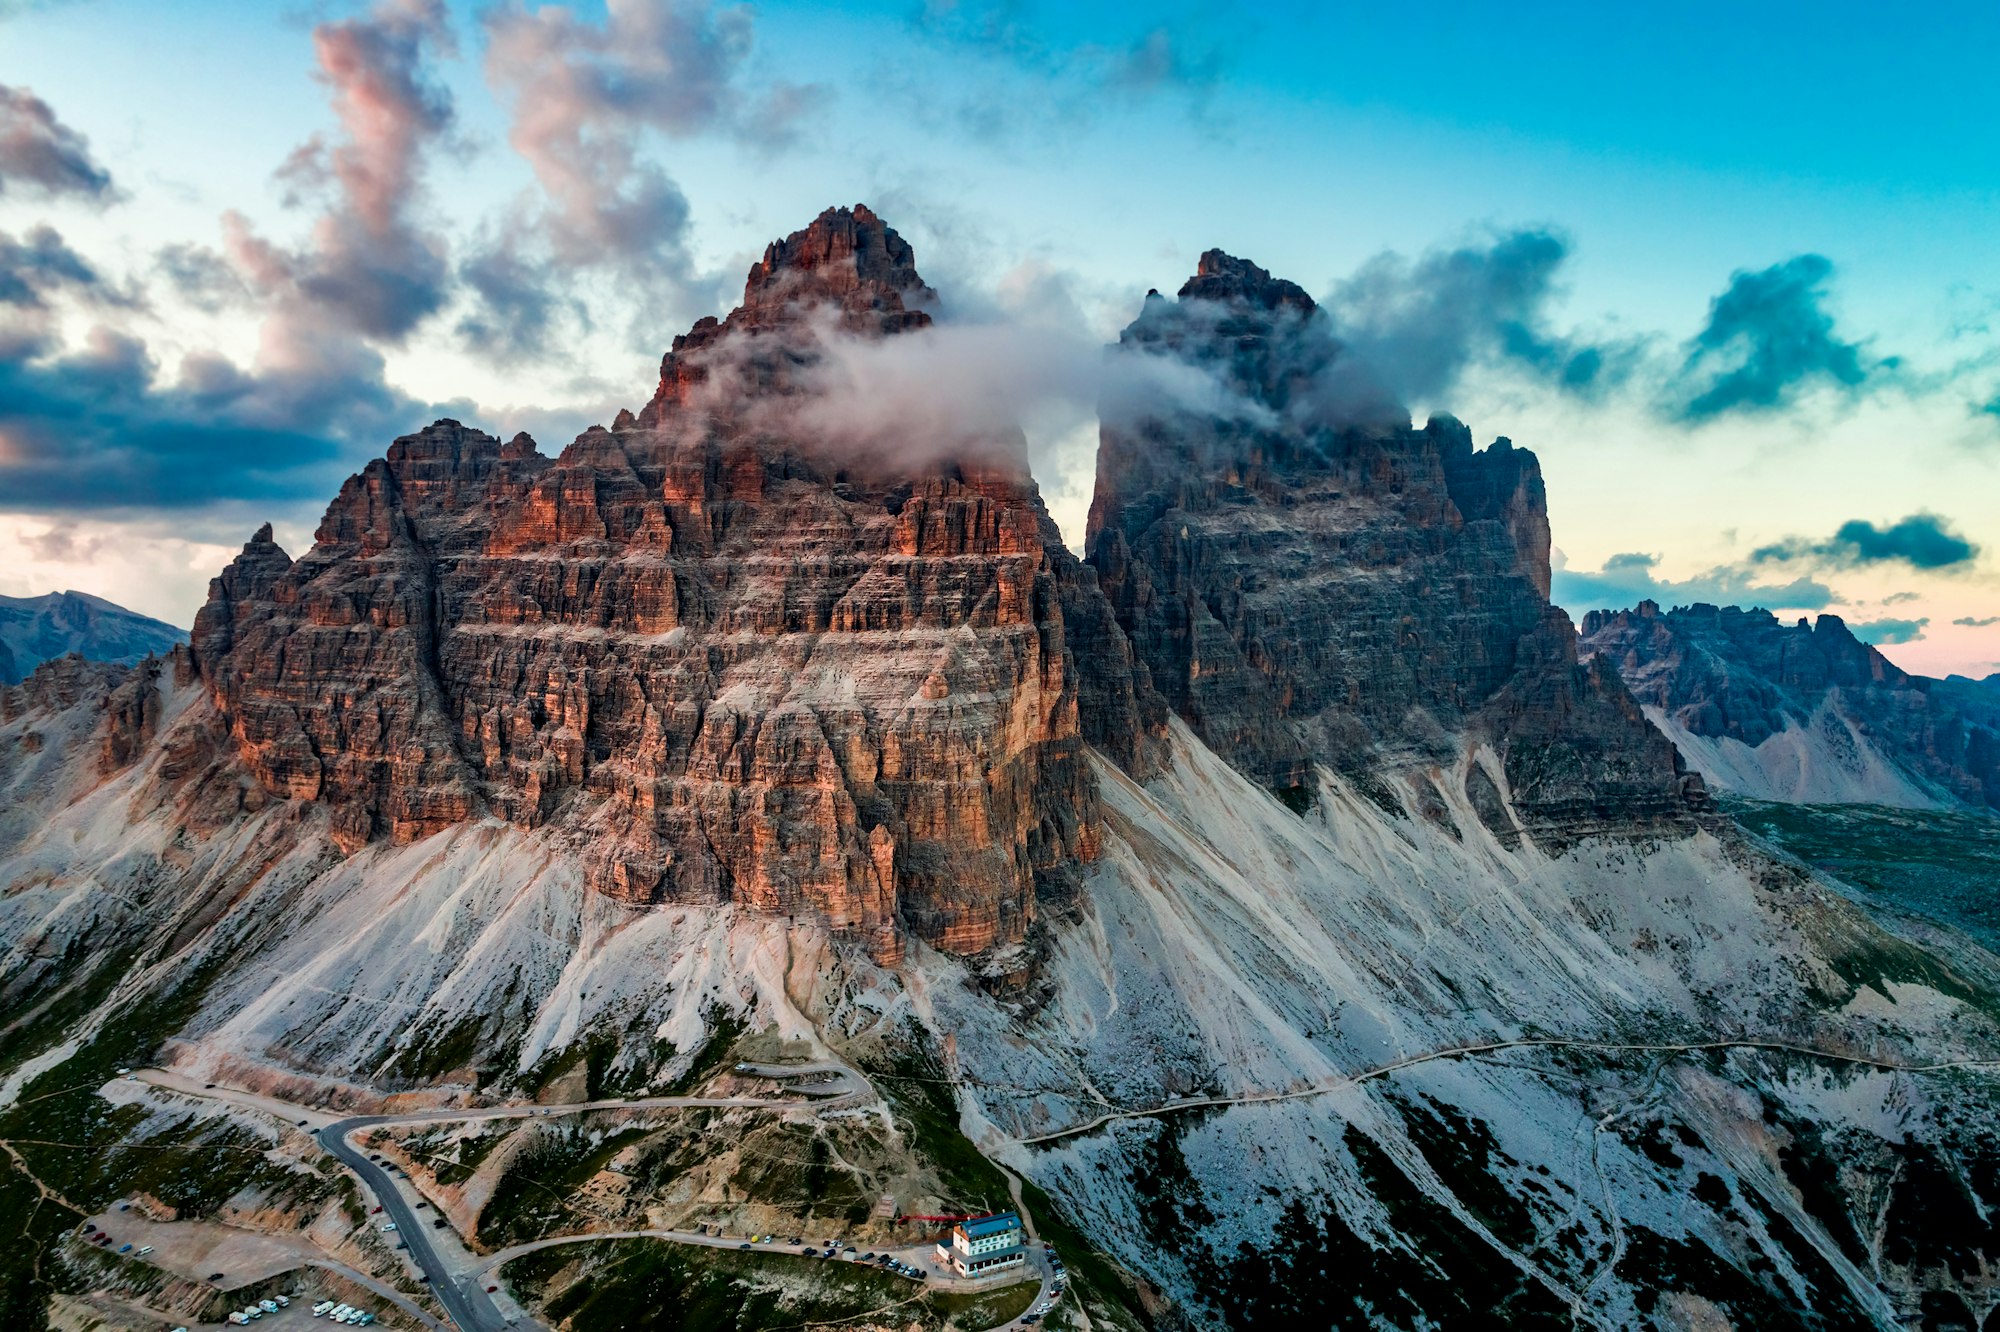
(1490, 1047)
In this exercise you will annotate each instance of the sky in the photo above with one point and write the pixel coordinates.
(1730, 270)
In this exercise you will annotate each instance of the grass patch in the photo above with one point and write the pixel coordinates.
(531, 1198)
(623, 1285)
(85, 1149)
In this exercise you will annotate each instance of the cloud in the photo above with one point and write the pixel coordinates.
(104, 426)
(370, 265)
(583, 98)
(1629, 578)
(1006, 79)
(39, 155)
(1768, 339)
(1922, 541)
(1420, 325)
(1161, 61)
(200, 276)
(100, 426)
(62, 544)
(1977, 622)
(954, 389)
(41, 264)
(1889, 632)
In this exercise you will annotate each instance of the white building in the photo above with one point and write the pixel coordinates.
(984, 1244)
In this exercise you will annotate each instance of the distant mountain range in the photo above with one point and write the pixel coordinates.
(35, 629)
(1803, 713)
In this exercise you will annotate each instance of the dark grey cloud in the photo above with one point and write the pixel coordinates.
(1977, 622)
(1421, 324)
(518, 309)
(1922, 541)
(1885, 633)
(370, 265)
(100, 427)
(1768, 339)
(40, 264)
(39, 155)
(1627, 579)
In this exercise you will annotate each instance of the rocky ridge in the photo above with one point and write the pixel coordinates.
(733, 667)
(1309, 579)
(1802, 711)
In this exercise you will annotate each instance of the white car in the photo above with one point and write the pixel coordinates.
(389, 1227)
(319, 1310)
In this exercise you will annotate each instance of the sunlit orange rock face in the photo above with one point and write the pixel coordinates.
(733, 662)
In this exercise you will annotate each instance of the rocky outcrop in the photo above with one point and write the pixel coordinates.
(1308, 579)
(38, 629)
(728, 661)
(1802, 711)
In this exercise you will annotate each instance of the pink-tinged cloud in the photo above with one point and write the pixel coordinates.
(39, 155)
(584, 98)
(370, 266)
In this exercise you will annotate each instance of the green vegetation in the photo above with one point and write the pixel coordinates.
(80, 1147)
(1938, 864)
(1298, 799)
(1464, 1153)
(533, 1196)
(988, 1308)
(1095, 1278)
(793, 1166)
(913, 1078)
(652, 1284)
(1427, 1269)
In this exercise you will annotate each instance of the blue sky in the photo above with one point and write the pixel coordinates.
(1050, 163)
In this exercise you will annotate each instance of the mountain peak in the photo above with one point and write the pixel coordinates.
(849, 258)
(848, 262)
(1222, 277)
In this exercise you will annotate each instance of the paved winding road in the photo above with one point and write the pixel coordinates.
(464, 1301)
(463, 1293)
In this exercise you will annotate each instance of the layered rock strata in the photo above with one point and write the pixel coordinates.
(733, 661)
(1308, 579)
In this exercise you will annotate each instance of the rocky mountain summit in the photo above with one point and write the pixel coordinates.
(1310, 580)
(1802, 712)
(733, 667)
(38, 629)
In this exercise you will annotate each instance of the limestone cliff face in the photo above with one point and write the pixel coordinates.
(1724, 673)
(1307, 578)
(733, 663)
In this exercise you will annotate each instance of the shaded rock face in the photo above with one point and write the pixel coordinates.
(38, 629)
(1728, 673)
(729, 666)
(1307, 578)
